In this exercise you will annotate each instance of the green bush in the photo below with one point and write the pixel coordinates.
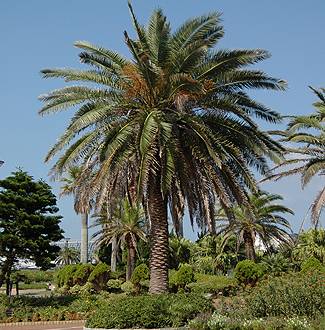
(213, 284)
(140, 273)
(82, 273)
(154, 311)
(301, 294)
(183, 276)
(31, 275)
(248, 272)
(114, 285)
(310, 264)
(128, 287)
(65, 276)
(99, 276)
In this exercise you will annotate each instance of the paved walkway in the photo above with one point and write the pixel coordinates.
(78, 325)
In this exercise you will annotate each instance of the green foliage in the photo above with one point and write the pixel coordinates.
(54, 308)
(32, 275)
(290, 295)
(114, 285)
(28, 223)
(312, 264)
(276, 264)
(155, 311)
(82, 273)
(248, 272)
(128, 287)
(204, 265)
(310, 244)
(99, 276)
(213, 284)
(140, 273)
(66, 276)
(183, 276)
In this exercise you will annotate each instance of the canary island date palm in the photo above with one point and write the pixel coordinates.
(126, 226)
(263, 219)
(309, 133)
(68, 256)
(68, 188)
(175, 118)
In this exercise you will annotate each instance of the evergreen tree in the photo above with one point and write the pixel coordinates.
(28, 224)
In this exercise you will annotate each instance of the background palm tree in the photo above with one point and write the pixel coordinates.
(126, 226)
(68, 256)
(262, 218)
(175, 119)
(309, 133)
(67, 189)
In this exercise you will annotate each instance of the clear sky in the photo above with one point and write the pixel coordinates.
(37, 34)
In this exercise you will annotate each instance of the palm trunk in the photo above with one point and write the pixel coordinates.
(131, 259)
(249, 246)
(84, 239)
(114, 255)
(158, 238)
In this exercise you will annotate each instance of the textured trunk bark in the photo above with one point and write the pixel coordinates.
(249, 246)
(84, 239)
(158, 238)
(114, 255)
(131, 259)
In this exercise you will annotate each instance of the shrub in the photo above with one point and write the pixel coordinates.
(140, 273)
(183, 276)
(82, 273)
(154, 311)
(65, 276)
(248, 272)
(213, 284)
(204, 264)
(99, 276)
(114, 285)
(128, 287)
(291, 295)
(312, 264)
(31, 275)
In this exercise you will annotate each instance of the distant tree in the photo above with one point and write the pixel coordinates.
(126, 226)
(68, 256)
(68, 188)
(28, 224)
(264, 218)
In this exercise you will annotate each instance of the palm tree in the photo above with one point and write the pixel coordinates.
(126, 226)
(309, 132)
(67, 189)
(262, 218)
(68, 256)
(175, 119)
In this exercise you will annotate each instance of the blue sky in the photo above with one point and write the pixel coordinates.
(37, 34)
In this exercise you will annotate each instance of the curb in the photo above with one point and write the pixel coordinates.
(183, 328)
(20, 324)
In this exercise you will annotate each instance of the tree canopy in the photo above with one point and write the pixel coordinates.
(28, 222)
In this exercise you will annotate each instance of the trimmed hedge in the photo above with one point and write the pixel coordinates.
(213, 284)
(149, 311)
(247, 272)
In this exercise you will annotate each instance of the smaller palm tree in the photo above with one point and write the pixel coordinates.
(262, 219)
(127, 226)
(68, 256)
(68, 188)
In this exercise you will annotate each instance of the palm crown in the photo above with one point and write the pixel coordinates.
(309, 132)
(174, 121)
(264, 219)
